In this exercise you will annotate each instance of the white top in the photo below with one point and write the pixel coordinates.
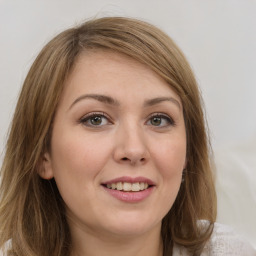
(224, 242)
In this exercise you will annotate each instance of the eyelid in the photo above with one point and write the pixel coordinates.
(87, 116)
(162, 115)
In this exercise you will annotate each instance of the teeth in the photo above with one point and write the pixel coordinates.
(136, 186)
(119, 186)
(112, 186)
(126, 186)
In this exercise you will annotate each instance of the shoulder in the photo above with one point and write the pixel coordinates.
(224, 241)
(4, 249)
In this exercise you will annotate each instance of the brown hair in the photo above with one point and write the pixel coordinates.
(32, 214)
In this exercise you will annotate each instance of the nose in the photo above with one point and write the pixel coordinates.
(131, 146)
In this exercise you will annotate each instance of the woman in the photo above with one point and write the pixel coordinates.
(108, 151)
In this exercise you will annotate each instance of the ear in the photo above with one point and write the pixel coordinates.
(45, 170)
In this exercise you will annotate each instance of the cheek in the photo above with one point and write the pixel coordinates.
(78, 156)
(77, 161)
(171, 157)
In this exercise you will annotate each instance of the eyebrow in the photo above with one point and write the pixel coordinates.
(109, 100)
(101, 98)
(158, 100)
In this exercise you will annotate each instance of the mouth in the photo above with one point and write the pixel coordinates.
(129, 189)
(128, 186)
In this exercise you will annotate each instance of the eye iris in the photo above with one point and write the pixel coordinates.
(156, 121)
(96, 120)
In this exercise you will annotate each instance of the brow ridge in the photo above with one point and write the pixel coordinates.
(111, 101)
(101, 98)
(158, 100)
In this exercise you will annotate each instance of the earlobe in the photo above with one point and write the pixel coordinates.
(45, 167)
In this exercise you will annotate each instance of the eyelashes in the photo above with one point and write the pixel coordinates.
(95, 119)
(100, 119)
(160, 120)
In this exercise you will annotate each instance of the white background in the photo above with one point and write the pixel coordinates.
(219, 39)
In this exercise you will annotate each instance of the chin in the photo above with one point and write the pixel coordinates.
(133, 226)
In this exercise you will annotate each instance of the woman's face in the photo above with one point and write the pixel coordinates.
(118, 146)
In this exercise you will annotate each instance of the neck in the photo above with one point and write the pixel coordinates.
(86, 243)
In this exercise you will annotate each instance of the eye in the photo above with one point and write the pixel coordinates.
(95, 119)
(160, 120)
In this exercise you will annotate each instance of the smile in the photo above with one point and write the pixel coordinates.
(127, 186)
(129, 189)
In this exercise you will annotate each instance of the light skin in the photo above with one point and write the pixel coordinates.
(116, 118)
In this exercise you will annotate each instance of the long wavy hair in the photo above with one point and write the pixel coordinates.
(32, 212)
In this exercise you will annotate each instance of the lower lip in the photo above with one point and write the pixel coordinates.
(130, 197)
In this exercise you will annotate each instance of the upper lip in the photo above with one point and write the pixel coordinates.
(130, 180)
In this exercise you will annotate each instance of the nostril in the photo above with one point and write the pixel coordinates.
(133, 160)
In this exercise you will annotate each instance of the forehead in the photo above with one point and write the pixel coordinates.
(107, 72)
(106, 62)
